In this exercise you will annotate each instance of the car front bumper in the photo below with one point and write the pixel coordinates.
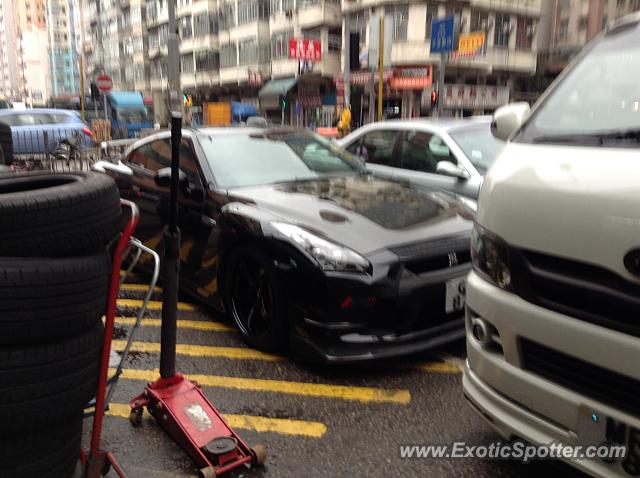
(520, 404)
(339, 318)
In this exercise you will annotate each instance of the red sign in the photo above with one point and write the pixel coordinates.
(417, 78)
(304, 49)
(104, 83)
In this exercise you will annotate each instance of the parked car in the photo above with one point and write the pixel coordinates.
(28, 126)
(553, 310)
(442, 154)
(291, 236)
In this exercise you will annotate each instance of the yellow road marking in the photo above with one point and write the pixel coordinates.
(283, 426)
(358, 394)
(154, 304)
(182, 324)
(139, 287)
(437, 367)
(200, 351)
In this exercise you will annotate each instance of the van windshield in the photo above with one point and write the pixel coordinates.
(598, 101)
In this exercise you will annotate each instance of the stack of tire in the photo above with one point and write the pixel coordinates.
(54, 272)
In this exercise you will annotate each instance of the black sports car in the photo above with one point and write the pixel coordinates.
(301, 246)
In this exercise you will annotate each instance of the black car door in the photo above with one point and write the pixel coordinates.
(153, 202)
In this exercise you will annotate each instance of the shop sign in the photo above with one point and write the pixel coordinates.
(474, 96)
(305, 49)
(471, 43)
(417, 78)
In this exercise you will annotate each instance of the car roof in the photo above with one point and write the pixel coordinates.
(39, 110)
(446, 124)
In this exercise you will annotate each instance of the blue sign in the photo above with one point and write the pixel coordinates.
(442, 32)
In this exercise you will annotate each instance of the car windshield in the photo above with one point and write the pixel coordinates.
(598, 101)
(479, 145)
(239, 160)
(131, 115)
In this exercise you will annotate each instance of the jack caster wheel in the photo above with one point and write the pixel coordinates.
(208, 472)
(135, 417)
(260, 452)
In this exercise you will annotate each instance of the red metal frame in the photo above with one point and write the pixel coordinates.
(99, 459)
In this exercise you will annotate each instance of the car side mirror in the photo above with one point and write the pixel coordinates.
(447, 168)
(163, 178)
(507, 119)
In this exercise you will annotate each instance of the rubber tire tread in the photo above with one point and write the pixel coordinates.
(49, 299)
(42, 219)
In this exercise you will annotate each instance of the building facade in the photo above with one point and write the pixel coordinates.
(63, 59)
(11, 82)
(510, 36)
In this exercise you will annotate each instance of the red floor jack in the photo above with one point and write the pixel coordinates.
(177, 404)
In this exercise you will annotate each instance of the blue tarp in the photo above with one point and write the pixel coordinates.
(126, 99)
(241, 111)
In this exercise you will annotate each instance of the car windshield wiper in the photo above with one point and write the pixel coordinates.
(599, 138)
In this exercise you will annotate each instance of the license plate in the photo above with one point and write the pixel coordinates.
(454, 294)
(595, 428)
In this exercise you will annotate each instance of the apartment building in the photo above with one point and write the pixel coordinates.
(63, 60)
(10, 75)
(570, 24)
(478, 83)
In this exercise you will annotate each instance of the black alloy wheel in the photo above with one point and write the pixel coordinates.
(254, 300)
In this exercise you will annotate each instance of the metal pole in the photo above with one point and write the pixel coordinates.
(381, 68)
(443, 61)
(171, 266)
(82, 87)
(104, 97)
(347, 64)
(173, 66)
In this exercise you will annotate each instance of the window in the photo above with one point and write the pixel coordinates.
(247, 11)
(432, 14)
(478, 145)
(207, 60)
(502, 30)
(156, 155)
(280, 44)
(275, 6)
(376, 147)
(248, 51)
(335, 41)
(186, 63)
(201, 25)
(400, 14)
(287, 5)
(524, 32)
(479, 21)
(422, 151)
(563, 32)
(227, 16)
(186, 28)
(228, 55)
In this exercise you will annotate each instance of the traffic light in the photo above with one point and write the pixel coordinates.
(187, 100)
(434, 98)
(283, 102)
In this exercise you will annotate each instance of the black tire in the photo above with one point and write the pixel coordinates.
(57, 214)
(49, 299)
(271, 332)
(6, 142)
(49, 384)
(18, 450)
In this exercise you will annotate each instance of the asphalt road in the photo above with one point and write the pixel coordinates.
(314, 421)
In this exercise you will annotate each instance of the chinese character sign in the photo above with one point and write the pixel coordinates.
(304, 49)
(471, 43)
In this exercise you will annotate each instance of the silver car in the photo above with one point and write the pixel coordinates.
(449, 154)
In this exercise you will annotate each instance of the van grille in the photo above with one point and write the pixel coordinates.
(606, 386)
(584, 291)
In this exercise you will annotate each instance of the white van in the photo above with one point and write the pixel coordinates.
(553, 302)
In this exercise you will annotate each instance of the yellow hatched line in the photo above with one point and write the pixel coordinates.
(352, 393)
(437, 367)
(139, 287)
(154, 304)
(283, 426)
(182, 324)
(200, 351)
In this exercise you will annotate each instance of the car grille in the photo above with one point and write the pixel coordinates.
(580, 290)
(617, 390)
(433, 255)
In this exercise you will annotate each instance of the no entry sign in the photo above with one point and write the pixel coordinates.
(104, 83)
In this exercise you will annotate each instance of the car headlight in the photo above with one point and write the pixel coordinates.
(328, 255)
(490, 258)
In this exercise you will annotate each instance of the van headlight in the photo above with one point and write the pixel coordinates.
(329, 255)
(490, 258)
